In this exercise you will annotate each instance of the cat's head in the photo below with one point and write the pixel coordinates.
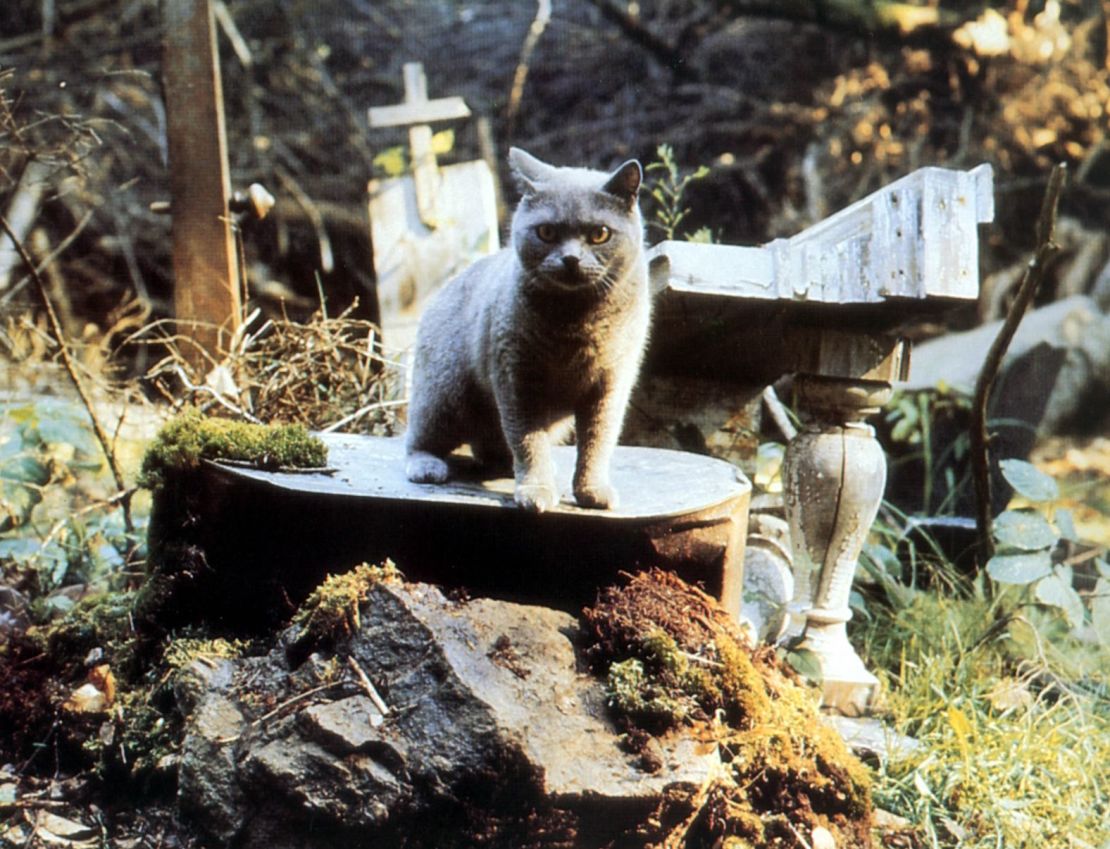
(576, 229)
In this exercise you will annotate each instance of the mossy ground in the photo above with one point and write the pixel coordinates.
(674, 658)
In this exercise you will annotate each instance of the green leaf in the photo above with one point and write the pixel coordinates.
(1024, 530)
(1028, 480)
(1022, 568)
(1056, 592)
(1065, 523)
(806, 663)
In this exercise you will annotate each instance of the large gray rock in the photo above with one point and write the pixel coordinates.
(477, 728)
(1056, 374)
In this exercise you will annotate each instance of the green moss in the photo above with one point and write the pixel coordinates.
(185, 441)
(636, 695)
(101, 621)
(743, 690)
(184, 650)
(332, 610)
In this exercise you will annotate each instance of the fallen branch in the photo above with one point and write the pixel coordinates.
(71, 369)
(1031, 280)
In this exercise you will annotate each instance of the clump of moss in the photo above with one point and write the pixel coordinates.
(672, 657)
(633, 693)
(184, 650)
(331, 612)
(192, 437)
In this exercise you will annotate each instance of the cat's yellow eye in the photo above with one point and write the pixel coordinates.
(600, 235)
(547, 232)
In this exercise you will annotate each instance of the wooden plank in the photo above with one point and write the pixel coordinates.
(427, 112)
(207, 290)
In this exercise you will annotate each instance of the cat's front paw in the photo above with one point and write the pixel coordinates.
(596, 496)
(536, 497)
(423, 467)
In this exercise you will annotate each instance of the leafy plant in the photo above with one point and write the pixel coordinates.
(668, 191)
(57, 529)
(1026, 540)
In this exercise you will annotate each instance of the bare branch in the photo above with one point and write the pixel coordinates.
(1034, 273)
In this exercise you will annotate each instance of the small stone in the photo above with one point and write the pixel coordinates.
(49, 825)
(86, 699)
(651, 756)
(822, 838)
(343, 726)
(886, 821)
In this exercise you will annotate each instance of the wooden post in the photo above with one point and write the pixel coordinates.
(207, 289)
(417, 112)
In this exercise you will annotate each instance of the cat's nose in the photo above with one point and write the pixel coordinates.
(570, 263)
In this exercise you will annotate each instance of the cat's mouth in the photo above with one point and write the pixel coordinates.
(571, 280)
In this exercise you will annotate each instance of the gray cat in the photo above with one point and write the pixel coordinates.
(545, 333)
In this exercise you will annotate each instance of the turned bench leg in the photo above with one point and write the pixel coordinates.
(833, 474)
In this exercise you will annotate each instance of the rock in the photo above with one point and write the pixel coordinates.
(822, 838)
(1061, 351)
(86, 699)
(868, 737)
(488, 729)
(56, 830)
(1055, 379)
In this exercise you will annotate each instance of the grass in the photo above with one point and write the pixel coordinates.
(1014, 747)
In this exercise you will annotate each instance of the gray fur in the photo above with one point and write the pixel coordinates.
(547, 332)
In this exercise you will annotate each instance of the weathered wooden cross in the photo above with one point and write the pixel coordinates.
(821, 305)
(426, 226)
(207, 288)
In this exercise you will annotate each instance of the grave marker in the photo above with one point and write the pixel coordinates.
(430, 224)
(207, 288)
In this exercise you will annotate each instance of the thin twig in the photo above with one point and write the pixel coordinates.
(535, 32)
(1034, 273)
(295, 699)
(779, 413)
(359, 413)
(71, 369)
(368, 686)
(58, 250)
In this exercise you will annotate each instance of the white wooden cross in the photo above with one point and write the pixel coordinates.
(832, 295)
(426, 226)
(417, 112)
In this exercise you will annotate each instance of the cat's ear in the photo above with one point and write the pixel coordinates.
(625, 182)
(528, 171)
